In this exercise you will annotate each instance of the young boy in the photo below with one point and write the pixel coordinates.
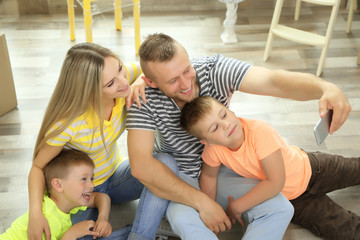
(69, 181)
(253, 149)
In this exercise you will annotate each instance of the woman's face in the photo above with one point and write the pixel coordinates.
(115, 84)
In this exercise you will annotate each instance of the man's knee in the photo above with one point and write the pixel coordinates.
(168, 160)
(281, 205)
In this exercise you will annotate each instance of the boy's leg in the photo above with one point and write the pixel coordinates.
(151, 208)
(315, 210)
(332, 172)
(185, 221)
(323, 217)
(268, 220)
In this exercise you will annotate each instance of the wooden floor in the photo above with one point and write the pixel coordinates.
(37, 46)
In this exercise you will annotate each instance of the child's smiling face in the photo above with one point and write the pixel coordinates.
(78, 186)
(220, 126)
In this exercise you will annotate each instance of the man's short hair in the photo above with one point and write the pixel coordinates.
(193, 112)
(59, 166)
(157, 47)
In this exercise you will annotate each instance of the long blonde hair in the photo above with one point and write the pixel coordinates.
(79, 88)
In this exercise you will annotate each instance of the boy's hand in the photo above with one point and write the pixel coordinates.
(102, 227)
(233, 214)
(79, 230)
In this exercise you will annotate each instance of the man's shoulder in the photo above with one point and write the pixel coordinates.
(198, 61)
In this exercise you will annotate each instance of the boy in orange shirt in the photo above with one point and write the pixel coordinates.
(253, 149)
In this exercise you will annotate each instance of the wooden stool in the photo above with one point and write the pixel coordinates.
(118, 22)
(352, 8)
(301, 36)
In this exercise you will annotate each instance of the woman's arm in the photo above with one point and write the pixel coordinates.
(136, 88)
(37, 222)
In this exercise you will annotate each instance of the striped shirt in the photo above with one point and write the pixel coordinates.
(217, 76)
(80, 135)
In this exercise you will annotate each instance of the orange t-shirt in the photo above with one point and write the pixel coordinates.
(261, 140)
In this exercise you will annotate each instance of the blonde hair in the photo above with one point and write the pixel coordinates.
(79, 88)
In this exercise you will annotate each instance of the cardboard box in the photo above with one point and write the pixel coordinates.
(7, 88)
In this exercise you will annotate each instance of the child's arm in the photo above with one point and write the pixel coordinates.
(208, 180)
(274, 169)
(208, 184)
(79, 230)
(37, 222)
(103, 203)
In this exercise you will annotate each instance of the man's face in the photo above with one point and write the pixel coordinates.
(175, 78)
(220, 126)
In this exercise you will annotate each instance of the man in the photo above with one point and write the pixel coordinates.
(174, 80)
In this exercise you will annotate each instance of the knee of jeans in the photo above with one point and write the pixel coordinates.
(181, 216)
(286, 207)
(168, 160)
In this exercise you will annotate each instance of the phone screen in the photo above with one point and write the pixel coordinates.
(321, 129)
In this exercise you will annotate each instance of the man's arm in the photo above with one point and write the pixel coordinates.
(301, 87)
(161, 181)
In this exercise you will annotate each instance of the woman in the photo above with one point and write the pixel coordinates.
(87, 112)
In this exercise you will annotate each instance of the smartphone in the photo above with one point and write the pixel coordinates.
(321, 129)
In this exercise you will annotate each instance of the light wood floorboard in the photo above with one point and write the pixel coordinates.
(38, 43)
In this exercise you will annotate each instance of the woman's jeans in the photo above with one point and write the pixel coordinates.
(123, 187)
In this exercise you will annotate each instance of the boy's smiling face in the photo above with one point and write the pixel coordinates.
(77, 186)
(220, 126)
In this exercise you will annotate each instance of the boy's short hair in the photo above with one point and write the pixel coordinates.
(193, 112)
(59, 166)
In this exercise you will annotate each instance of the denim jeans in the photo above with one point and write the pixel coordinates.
(267, 220)
(123, 187)
(316, 211)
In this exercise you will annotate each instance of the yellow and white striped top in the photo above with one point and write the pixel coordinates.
(84, 134)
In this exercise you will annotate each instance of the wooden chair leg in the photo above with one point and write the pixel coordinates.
(352, 8)
(297, 9)
(274, 22)
(87, 19)
(118, 15)
(71, 15)
(136, 13)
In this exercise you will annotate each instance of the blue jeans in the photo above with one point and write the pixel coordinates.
(267, 220)
(123, 187)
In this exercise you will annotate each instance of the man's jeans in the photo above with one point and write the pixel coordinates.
(267, 220)
(316, 211)
(123, 187)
